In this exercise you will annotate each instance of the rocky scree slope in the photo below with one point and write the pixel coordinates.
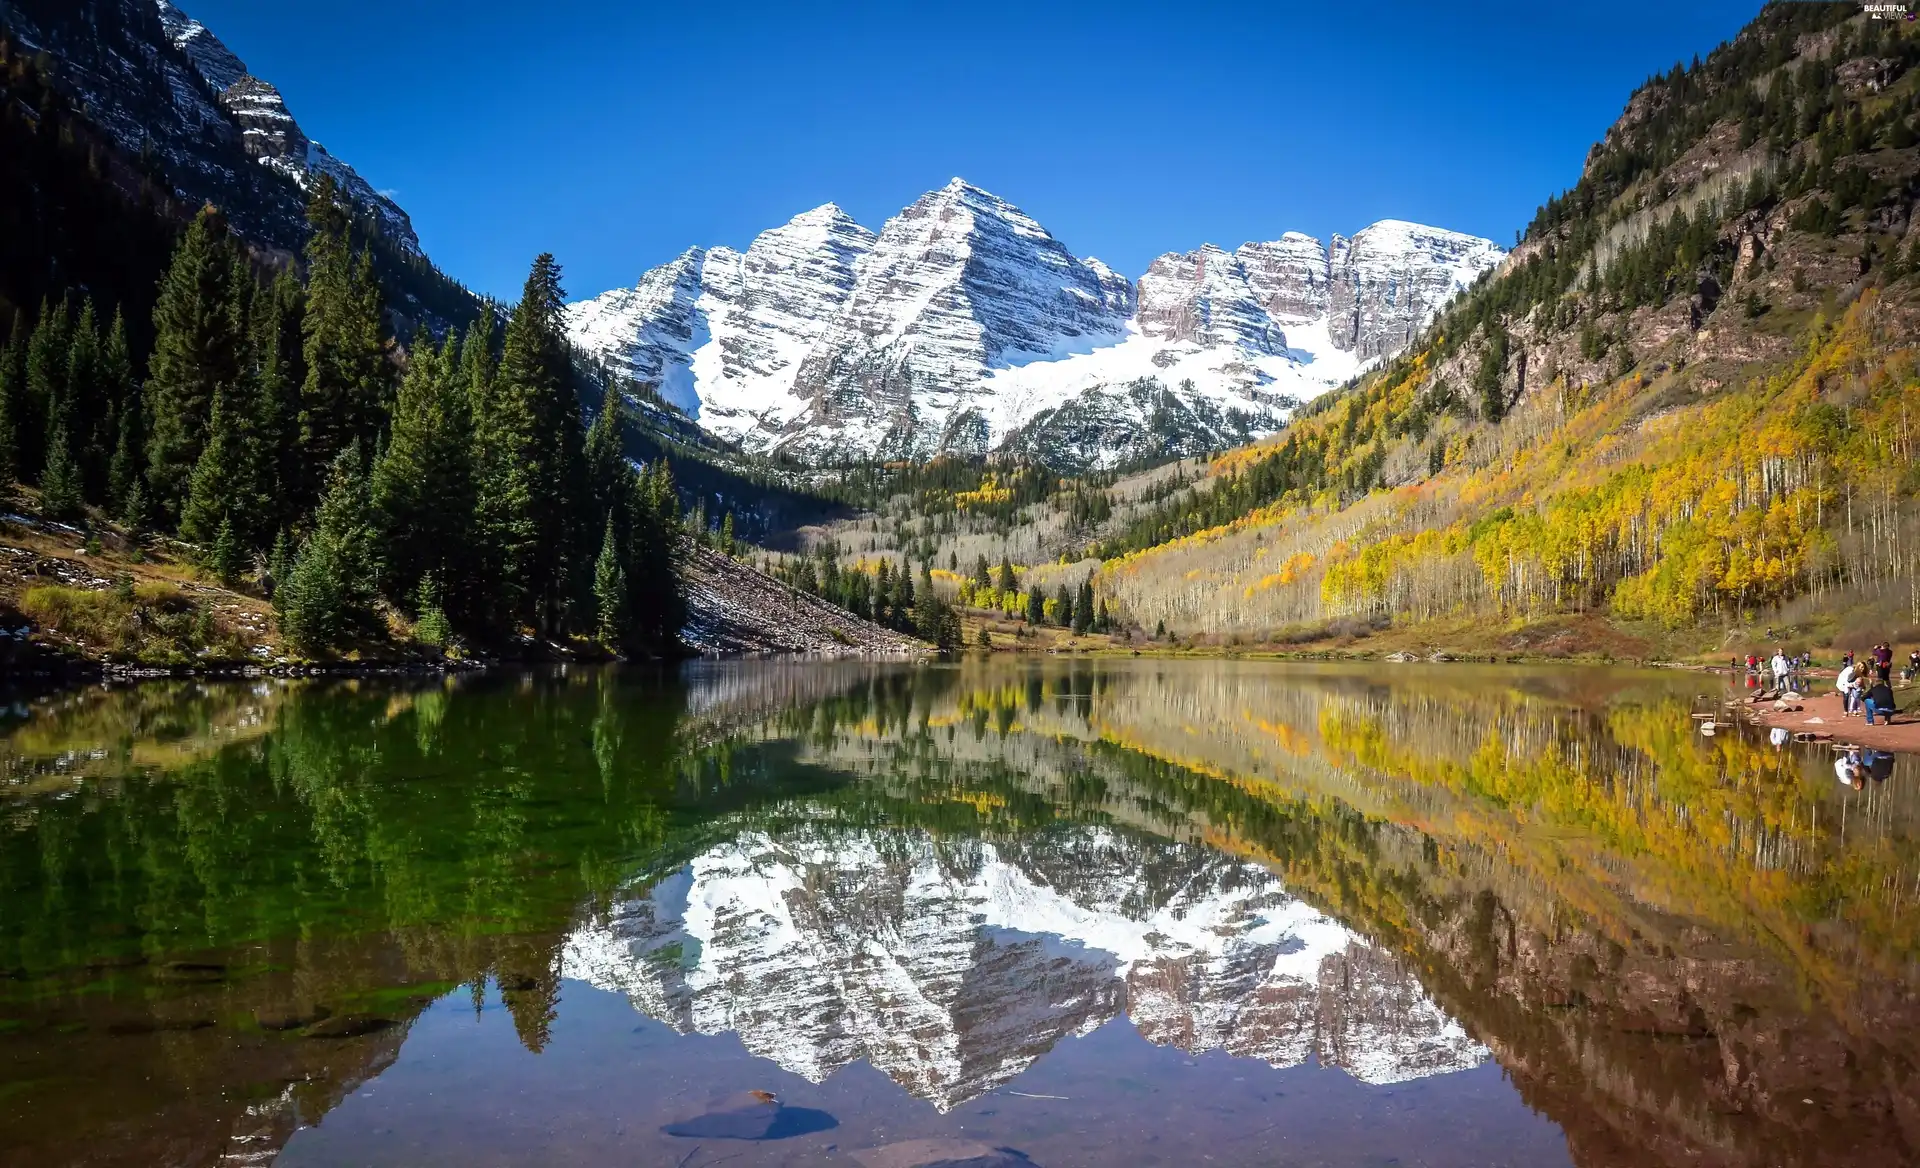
(964, 326)
(734, 610)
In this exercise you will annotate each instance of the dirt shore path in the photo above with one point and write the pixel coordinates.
(1820, 712)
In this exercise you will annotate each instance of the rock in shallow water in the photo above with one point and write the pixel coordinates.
(752, 1115)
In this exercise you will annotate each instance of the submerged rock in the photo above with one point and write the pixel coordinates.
(752, 1115)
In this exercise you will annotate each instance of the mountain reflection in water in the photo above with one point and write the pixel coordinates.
(241, 922)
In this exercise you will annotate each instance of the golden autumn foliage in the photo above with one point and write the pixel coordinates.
(1787, 485)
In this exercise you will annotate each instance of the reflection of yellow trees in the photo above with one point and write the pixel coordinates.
(1594, 791)
(1722, 830)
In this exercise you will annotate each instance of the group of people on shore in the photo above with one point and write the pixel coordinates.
(1866, 686)
(1787, 671)
(1865, 682)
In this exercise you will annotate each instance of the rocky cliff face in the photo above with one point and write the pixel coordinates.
(268, 132)
(715, 328)
(952, 965)
(965, 326)
(157, 79)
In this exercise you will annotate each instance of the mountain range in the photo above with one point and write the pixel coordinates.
(964, 326)
(951, 966)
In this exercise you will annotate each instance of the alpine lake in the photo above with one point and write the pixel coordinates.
(1054, 912)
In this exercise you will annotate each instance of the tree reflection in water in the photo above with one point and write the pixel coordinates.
(223, 905)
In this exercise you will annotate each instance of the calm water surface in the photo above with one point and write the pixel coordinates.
(1053, 913)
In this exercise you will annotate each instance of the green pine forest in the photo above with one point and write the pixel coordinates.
(276, 428)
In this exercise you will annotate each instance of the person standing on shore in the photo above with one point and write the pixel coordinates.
(1782, 671)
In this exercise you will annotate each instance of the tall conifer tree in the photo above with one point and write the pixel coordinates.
(197, 349)
(13, 391)
(328, 595)
(219, 490)
(117, 391)
(531, 483)
(344, 350)
(48, 352)
(87, 404)
(423, 493)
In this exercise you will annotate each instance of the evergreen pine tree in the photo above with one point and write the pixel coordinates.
(534, 471)
(432, 626)
(13, 390)
(47, 358)
(329, 592)
(87, 407)
(1063, 601)
(605, 459)
(1036, 606)
(129, 452)
(345, 349)
(610, 591)
(60, 493)
(1007, 581)
(229, 560)
(904, 600)
(1083, 607)
(218, 488)
(196, 350)
(656, 605)
(423, 490)
(476, 364)
(136, 513)
(280, 471)
(118, 395)
(279, 563)
(926, 609)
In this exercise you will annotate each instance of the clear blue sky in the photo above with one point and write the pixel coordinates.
(616, 133)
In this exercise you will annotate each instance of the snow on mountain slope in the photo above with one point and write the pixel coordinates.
(959, 283)
(952, 965)
(722, 333)
(965, 326)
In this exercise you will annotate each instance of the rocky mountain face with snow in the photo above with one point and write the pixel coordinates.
(964, 326)
(159, 81)
(952, 964)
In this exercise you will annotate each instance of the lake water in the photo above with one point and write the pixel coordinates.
(1059, 913)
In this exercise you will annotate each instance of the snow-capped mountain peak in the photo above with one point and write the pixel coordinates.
(964, 325)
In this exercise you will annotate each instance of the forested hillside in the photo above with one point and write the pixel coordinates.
(1687, 402)
(281, 432)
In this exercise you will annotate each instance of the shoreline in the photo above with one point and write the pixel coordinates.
(1819, 717)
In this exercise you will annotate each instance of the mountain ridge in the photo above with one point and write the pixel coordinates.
(963, 326)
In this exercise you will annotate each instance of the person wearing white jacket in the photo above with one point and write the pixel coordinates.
(1848, 683)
